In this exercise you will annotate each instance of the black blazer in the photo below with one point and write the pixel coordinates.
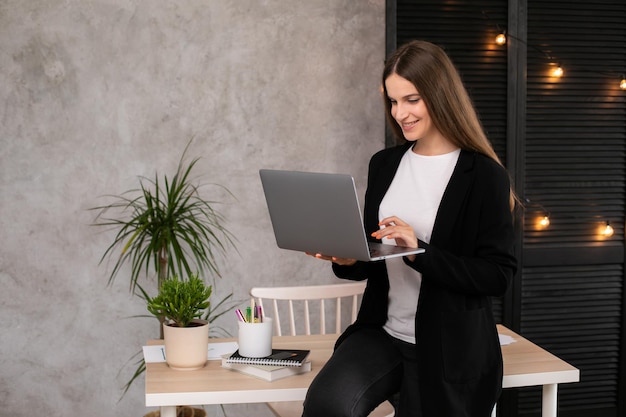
(469, 259)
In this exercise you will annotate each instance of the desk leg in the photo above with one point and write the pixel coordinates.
(168, 411)
(549, 401)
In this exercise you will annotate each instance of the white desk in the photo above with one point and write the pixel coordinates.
(525, 364)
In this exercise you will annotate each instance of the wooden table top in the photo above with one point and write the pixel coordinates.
(525, 364)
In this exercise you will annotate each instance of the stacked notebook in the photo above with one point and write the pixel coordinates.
(280, 364)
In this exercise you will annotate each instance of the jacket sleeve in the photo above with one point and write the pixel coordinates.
(356, 272)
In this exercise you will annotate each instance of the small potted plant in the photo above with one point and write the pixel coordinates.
(186, 334)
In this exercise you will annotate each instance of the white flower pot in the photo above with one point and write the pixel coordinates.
(186, 348)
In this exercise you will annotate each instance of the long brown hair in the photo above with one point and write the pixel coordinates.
(439, 84)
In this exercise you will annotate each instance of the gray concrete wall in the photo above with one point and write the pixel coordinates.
(94, 94)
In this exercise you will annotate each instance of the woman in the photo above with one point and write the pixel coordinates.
(425, 333)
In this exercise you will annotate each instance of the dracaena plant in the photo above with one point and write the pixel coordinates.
(166, 228)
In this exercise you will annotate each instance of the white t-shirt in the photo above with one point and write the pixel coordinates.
(413, 196)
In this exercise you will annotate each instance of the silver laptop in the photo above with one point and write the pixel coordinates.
(320, 213)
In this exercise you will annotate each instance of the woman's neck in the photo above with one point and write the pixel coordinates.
(433, 146)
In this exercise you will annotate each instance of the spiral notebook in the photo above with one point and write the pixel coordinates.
(282, 357)
(267, 372)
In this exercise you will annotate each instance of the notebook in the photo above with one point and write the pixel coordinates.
(280, 357)
(320, 213)
(267, 372)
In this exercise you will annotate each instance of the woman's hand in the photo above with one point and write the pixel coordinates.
(333, 259)
(394, 228)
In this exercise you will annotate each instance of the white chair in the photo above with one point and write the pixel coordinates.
(293, 300)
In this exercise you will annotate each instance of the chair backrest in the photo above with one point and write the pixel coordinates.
(306, 294)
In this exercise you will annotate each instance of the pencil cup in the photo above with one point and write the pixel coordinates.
(255, 339)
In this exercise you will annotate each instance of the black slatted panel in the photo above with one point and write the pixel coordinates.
(575, 170)
(574, 312)
(576, 140)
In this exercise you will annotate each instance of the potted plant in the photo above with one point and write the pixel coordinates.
(186, 334)
(165, 227)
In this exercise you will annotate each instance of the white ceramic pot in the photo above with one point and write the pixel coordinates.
(186, 348)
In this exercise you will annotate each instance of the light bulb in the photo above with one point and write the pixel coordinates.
(607, 231)
(501, 39)
(558, 71)
(622, 84)
(544, 222)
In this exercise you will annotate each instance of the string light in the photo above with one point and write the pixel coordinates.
(557, 72)
(607, 230)
(544, 222)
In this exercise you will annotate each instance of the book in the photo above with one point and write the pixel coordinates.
(267, 372)
(281, 357)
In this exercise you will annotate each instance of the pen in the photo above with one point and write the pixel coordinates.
(249, 314)
(240, 315)
(259, 313)
(253, 312)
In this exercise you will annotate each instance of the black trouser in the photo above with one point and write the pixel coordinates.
(367, 368)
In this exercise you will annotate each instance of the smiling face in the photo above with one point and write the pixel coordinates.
(408, 109)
